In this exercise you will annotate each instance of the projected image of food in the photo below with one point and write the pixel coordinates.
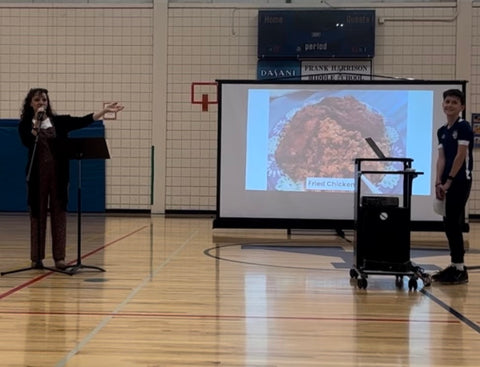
(324, 138)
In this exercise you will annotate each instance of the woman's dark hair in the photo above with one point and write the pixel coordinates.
(27, 110)
(455, 93)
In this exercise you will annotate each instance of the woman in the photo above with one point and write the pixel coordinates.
(45, 135)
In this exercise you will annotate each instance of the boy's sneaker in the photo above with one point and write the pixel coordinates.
(437, 277)
(455, 277)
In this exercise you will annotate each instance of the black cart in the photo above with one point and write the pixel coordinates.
(382, 221)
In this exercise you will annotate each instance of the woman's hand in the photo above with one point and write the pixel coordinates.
(112, 107)
(40, 115)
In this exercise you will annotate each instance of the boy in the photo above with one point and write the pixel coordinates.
(454, 181)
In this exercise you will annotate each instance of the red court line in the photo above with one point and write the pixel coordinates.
(40, 277)
(233, 317)
(107, 245)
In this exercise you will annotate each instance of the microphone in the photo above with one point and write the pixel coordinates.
(40, 114)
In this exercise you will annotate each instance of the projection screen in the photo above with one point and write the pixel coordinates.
(286, 149)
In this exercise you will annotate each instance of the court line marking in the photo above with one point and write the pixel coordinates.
(40, 277)
(116, 312)
(465, 320)
(121, 305)
(160, 315)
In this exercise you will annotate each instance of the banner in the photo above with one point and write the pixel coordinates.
(337, 70)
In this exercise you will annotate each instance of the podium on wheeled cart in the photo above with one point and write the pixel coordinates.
(382, 222)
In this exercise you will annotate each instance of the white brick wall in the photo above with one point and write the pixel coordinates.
(89, 54)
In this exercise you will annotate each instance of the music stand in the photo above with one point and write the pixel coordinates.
(79, 149)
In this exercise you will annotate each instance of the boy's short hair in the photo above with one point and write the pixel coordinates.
(455, 93)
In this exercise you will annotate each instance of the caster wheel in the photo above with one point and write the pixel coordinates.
(412, 284)
(353, 274)
(427, 280)
(362, 283)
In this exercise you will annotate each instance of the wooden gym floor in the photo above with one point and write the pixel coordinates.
(177, 293)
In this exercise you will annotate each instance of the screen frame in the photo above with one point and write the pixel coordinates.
(281, 222)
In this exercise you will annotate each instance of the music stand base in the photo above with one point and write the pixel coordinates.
(76, 268)
(35, 267)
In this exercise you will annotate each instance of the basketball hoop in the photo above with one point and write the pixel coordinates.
(203, 89)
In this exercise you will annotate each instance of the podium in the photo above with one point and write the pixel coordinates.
(80, 149)
(382, 224)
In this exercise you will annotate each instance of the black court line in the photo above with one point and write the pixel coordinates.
(323, 250)
(338, 251)
(451, 310)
